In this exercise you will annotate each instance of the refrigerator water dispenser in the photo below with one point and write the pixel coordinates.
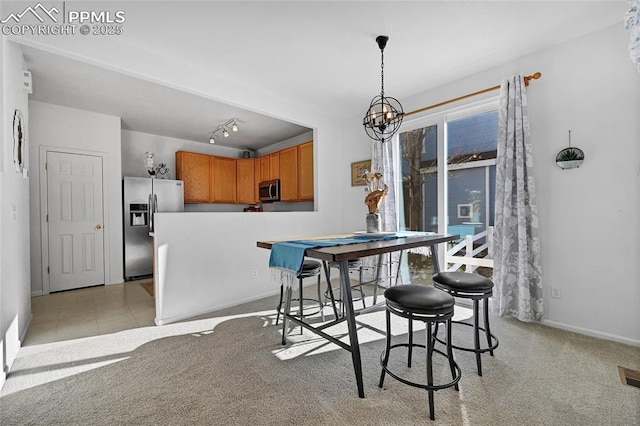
(138, 214)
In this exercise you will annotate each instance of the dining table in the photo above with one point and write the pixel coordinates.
(341, 254)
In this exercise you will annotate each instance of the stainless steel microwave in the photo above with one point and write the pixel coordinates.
(269, 191)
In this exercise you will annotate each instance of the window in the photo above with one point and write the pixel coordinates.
(446, 175)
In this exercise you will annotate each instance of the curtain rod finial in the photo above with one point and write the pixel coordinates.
(535, 76)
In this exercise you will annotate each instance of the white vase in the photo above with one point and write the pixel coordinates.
(373, 222)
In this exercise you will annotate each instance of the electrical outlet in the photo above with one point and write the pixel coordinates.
(254, 273)
(556, 293)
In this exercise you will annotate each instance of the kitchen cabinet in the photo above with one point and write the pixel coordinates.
(289, 174)
(224, 176)
(195, 170)
(245, 190)
(212, 179)
(274, 165)
(265, 168)
(257, 172)
(305, 171)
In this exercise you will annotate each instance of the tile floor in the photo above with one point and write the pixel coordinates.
(89, 312)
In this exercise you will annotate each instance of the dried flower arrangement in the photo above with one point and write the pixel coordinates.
(377, 190)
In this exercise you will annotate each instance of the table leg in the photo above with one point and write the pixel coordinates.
(376, 281)
(351, 324)
(436, 261)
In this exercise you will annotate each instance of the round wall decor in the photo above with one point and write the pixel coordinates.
(571, 157)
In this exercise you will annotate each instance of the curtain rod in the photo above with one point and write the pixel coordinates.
(527, 79)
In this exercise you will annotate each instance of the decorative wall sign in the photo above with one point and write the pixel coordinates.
(19, 142)
(358, 170)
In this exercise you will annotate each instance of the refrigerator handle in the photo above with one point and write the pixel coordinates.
(150, 209)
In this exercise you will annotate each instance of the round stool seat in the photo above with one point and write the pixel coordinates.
(462, 281)
(419, 299)
(310, 268)
(351, 264)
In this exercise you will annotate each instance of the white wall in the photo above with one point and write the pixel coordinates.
(135, 144)
(15, 301)
(72, 129)
(588, 216)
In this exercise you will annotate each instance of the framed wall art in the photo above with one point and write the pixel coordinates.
(357, 170)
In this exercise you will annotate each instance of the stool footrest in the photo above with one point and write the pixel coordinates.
(467, 349)
(421, 385)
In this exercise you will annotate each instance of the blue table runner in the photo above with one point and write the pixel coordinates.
(289, 255)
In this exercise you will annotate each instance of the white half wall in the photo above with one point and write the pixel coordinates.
(65, 128)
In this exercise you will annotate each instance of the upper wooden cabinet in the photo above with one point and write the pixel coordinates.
(289, 174)
(245, 190)
(305, 171)
(265, 168)
(274, 165)
(195, 171)
(224, 177)
(257, 172)
(211, 179)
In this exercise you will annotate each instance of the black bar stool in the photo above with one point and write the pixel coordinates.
(354, 265)
(475, 287)
(431, 306)
(310, 268)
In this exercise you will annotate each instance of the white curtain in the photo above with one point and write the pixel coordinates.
(382, 161)
(517, 270)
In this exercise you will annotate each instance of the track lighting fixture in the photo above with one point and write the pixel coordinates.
(233, 122)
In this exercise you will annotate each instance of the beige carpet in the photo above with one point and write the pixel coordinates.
(230, 369)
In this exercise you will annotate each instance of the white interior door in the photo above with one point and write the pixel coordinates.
(75, 221)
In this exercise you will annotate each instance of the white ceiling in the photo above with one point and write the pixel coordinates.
(321, 54)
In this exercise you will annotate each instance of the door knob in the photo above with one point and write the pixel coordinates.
(98, 226)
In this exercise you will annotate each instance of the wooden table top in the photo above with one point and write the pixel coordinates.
(358, 250)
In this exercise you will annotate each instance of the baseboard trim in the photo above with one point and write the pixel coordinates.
(188, 315)
(592, 333)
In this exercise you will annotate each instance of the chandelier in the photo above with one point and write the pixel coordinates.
(384, 116)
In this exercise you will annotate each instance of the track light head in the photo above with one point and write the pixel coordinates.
(235, 126)
(212, 139)
(225, 133)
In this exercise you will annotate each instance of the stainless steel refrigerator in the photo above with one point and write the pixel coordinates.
(142, 198)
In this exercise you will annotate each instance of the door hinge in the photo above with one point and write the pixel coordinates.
(47, 217)
(47, 269)
(46, 165)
